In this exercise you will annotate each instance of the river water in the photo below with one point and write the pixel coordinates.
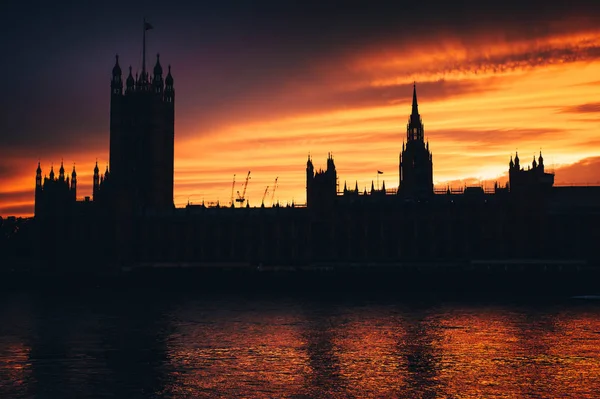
(148, 345)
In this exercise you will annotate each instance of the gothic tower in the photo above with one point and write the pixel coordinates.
(321, 186)
(38, 190)
(142, 127)
(416, 161)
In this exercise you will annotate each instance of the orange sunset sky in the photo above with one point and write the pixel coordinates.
(258, 99)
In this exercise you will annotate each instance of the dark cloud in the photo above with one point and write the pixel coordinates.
(582, 108)
(16, 196)
(583, 172)
(21, 210)
(226, 55)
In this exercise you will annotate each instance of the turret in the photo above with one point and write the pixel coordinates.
(38, 190)
(157, 82)
(51, 172)
(96, 187)
(116, 84)
(74, 183)
(517, 164)
(169, 88)
(310, 174)
(61, 172)
(534, 163)
(511, 164)
(38, 176)
(541, 162)
(130, 82)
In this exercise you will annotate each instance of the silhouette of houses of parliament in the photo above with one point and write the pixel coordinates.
(131, 218)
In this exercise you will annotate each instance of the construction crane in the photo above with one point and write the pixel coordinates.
(264, 195)
(242, 198)
(273, 192)
(232, 187)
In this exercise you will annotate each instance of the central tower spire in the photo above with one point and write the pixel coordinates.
(414, 129)
(416, 163)
(415, 105)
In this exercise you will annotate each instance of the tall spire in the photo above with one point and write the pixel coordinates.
(415, 105)
(414, 129)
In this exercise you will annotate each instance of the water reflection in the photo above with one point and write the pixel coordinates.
(224, 349)
(143, 347)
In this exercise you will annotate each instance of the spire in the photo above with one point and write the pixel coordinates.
(383, 187)
(415, 105)
(117, 68)
(158, 68)
(130, 81)
(38, 175)
(116, 83)
(169, 78)
(51, 172)
(73, 174)
(372, 187)
(96, 170)
(356, 187)
(61, 171)
(414, 128)
(169, 89)
(345, 187)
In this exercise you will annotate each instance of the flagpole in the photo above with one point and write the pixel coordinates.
(144, 49)
(377, 180)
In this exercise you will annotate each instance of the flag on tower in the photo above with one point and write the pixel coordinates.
(148, 26)
(379, 172)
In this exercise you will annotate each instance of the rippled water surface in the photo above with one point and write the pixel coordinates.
(142, 345)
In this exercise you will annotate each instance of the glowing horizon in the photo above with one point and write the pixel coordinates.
(480, 100)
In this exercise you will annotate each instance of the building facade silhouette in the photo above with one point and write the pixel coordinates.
(131, 219)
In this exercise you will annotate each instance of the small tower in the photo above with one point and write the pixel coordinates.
(52, 172)
(116, 83)
(169, 88)
(61, 172)
(130, 83)
(38, 190)
(38, 176)
(157, 81)
(310, 175)
(74, 183)
(96, 187)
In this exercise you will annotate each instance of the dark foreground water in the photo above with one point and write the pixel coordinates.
(140, 344)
